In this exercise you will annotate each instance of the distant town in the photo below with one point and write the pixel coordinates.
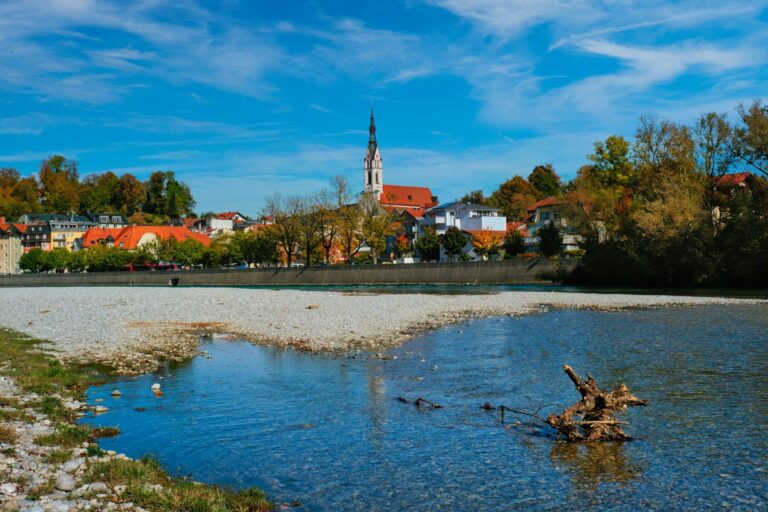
(671, 183)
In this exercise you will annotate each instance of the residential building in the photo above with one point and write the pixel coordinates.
(66, 233)
(133, 237)
(469, 218)
(37, 235)
(11, 246)
(236, 217)
(550, 210)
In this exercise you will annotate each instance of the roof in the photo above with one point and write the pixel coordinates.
(20, 228)
(399, 195)
(474, 232)
(228, 215)
(130, 236)
(549, 201)
(734, 179)
(465, 206)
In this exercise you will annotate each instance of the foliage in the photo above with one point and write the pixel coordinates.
(545, 180)
(486, 243)
(611, 166)
(550, 239)
(376, 226)
(402, 245)
(513, 197)
(427, 246)
(474, 197)
(32, 261)
(453, 242)
(751, 139)
(285, 213)
(514, 244)
(165, 195)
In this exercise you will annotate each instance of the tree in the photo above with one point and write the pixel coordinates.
(350, 218)
(514, 244)
(751, 140)
(310, 225)
(130, 194)
(474, 197)
(32, 261)
(60, 185)
(714, 144)
(78, 261)
(545, 180)
(402, 245)
(167, 196)
(611, 166)
(428, 245)
(285, 214)
(57, 259)
(376, 225)
(550, 239)
(98, 193)
(513, 197)
(189, 252)
(453, 242)
(486, 243)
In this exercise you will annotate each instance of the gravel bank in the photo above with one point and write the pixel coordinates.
(132, 328)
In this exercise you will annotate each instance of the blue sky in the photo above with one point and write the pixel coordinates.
(245, 98)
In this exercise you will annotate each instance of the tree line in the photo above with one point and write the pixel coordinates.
(57, 188)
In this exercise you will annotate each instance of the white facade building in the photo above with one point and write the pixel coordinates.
(469, 218)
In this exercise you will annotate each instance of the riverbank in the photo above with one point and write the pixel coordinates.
(48, 463)
(133, 329)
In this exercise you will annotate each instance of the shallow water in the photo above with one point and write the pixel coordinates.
(331, 434)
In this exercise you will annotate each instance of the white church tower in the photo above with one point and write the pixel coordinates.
(372, 163)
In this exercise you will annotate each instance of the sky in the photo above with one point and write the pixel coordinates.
(243, 99)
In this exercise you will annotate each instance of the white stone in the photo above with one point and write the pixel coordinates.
(155, 387)
(98, 487)
(8, 488)
(73, 465)
(100, 408)
(64, 482)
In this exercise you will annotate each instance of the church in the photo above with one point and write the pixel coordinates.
(399, 198)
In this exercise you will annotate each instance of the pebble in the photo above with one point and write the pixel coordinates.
(8, 488)
(65, 482)
(116, 393)
(155, 387)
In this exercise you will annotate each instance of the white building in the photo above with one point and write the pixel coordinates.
(469, 218)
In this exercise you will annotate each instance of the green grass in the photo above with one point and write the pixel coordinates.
(177, 494)
(59, 456)
(39, 372)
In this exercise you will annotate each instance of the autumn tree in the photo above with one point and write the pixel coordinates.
(130, 194)
(513, 197)
(376, 225)
(285, 213)
(60, 185)
(310, 225)
(486, 243)
(611, 164)
(474, 197)
(545, 180)
(751, 139)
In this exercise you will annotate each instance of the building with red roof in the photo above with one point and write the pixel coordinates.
(392, 197)
(132, 237)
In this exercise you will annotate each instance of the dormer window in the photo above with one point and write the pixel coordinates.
(104, 219)
(115, 219)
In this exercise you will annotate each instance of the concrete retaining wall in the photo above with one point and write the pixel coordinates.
(489, 272)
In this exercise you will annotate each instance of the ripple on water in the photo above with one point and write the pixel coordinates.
(330, 432)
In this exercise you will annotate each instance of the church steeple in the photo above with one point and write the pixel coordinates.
(372, 172)
(372, 146)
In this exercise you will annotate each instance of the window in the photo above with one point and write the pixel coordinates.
(115, 219)
(104, 219)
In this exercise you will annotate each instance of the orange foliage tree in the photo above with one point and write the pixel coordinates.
(486, 243)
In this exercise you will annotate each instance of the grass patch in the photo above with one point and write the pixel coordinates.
(177, 494)
(59, 456)
(66, 435)
(38, 372)
(7, 434)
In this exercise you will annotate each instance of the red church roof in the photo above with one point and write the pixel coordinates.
(402, 196)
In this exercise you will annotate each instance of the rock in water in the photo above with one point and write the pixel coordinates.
(64, 482)
(155, 387)
(116, 393)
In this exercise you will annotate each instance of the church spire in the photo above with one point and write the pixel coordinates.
(372, 135)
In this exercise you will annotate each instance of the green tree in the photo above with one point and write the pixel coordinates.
(98, 193)
(376, 226)
(167, 196)
(513, 197)
(57, 259)
(453, 242)
(611, 166)
(60, 185)
(32, 261)
(474, 197)
(427, 246)
(514, 244)
(78, 261)
(545, 180)
(550, 239)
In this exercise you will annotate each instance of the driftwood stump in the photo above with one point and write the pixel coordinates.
(592, 419)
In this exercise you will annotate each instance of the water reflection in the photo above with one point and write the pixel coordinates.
(590, 464)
